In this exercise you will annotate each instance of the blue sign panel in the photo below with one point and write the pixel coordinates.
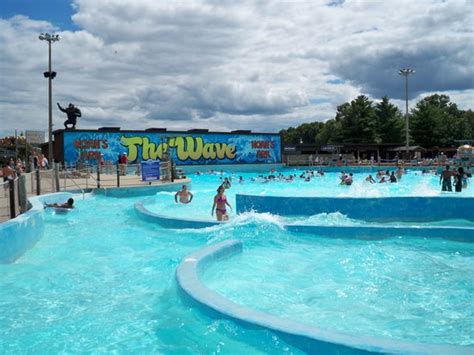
(185, 148)
(150, 170)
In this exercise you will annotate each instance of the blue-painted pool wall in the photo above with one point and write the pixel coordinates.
(135, 191)
(459, 234)
(381, 209)
(310, 339)
(20, 234)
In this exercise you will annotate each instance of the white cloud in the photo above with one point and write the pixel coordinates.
(232, 65)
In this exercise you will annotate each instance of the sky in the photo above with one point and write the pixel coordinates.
(226, 65)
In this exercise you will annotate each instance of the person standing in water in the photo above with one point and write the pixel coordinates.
(220, 203)
(445, 179)
(184, 195)
(458, 179)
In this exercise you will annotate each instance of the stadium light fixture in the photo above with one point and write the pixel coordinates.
(406, 72)
(50, 75)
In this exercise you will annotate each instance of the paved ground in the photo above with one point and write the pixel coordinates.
(73, 183)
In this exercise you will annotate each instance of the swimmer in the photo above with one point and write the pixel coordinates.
(382, 180)
(227, 184)
(69, 204)
(184, 195)
(393, 178)
(241, 179)
(348, 180)
(370, 179)
(400, 172)
(220, 203)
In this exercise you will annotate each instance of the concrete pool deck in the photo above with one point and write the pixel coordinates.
(108, 182)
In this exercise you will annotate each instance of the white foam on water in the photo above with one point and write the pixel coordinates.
(324, 219)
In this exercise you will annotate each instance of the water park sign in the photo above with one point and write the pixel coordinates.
(186, 148)
(150, 170)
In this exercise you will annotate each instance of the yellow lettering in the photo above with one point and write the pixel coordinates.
(220, 149)
(230, 151)
(208, 151)
(181, 152)
(150, 150)
(186, 148)
(131, 143)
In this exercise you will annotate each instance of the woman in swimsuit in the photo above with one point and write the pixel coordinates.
(220, 202)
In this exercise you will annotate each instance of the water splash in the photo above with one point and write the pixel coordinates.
(325, 219)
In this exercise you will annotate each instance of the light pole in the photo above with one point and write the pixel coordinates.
(405, 73)
(50, 75)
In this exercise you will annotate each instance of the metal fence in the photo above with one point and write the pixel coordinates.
(14, 193)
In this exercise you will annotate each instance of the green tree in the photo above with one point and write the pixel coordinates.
(330, 133)
(389, 122)
(436, 121)
(357, 120)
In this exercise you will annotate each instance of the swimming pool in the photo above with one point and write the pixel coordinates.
(204, 188)
(102, 279)
(402, 288)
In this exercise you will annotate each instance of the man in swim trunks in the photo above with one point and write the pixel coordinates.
(69, 204)
(445, 179)
(184, 195)
(220, 203)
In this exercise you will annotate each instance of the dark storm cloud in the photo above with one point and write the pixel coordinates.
(262, 65)
(438, 67)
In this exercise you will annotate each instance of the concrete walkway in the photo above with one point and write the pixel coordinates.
(79, 183)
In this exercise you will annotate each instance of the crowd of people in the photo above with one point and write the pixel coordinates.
(16, 167)
(456, 178)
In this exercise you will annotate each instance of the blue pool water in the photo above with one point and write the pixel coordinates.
(101, 279)
(401, 288)
(204, 189)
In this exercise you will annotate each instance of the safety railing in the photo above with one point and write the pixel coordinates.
(14, 193)
(110, 175)
(14, 198)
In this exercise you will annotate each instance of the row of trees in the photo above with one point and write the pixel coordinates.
(434, 121)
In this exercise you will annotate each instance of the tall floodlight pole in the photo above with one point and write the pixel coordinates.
(50, 75)
(405, 73)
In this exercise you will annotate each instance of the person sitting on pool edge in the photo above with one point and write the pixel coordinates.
(220, 203)
(69, 204)
(185, 196)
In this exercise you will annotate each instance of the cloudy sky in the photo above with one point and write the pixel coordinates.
(222, 65)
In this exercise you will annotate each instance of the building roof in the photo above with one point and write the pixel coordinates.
(411, 148)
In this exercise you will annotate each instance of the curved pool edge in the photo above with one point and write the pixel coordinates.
(306, 337)
(374, 232)
(20, 234)
(171, 222)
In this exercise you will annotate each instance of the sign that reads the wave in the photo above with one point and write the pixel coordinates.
(186, 148)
